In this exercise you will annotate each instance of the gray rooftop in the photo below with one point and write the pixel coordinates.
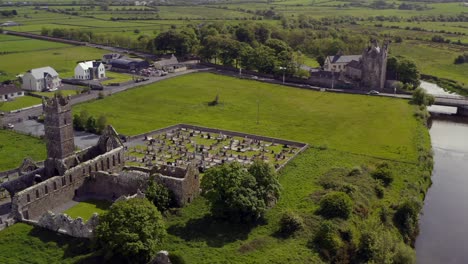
(344, 58)
(40, 73)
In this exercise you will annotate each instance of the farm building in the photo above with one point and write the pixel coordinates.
(90, 70)
(9, 92)
(106, 58)
(128, 65)
(45, 78)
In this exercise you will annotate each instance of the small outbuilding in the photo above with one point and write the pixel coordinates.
(9, 92)
(128, 65)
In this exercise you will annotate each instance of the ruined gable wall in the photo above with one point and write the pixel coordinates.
(111, 186)
(185, 189)
(34, 201)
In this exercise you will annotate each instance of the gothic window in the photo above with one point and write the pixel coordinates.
(71, 178)
(37, 194)
(108, 163)
(55, 186)
(63, 181)
(90, 169)
(28, 198)
(113, 161)
(46, 190)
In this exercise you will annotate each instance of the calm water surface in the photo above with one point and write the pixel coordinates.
(444, 224)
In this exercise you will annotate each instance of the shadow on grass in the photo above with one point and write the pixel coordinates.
(215, 232)
(72, 247)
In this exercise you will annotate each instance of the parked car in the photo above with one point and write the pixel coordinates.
(373, 92)
(10, 126)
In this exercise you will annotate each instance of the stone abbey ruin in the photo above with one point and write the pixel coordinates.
(113, 170)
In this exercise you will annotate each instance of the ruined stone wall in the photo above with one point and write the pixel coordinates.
(34, 201)
(111, 186)
(185, 189)
(64, 224)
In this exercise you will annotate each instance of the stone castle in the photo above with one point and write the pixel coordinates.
(97, 172)
(366, 71)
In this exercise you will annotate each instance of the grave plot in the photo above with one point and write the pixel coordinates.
(183, 144)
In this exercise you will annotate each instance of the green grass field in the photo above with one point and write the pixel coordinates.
(352, 130)
(19, 102)
(87, 208)
(63, 60)
(12, 44)
(337, 120)
(115, 77)
(15, 147)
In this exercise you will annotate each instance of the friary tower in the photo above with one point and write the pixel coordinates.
(58, 126)
(374, 66)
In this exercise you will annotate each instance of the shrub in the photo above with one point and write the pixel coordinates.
(355, 171)
(336, 204)
(379, 191)
(176, 258)
(290, 223)
(406, 219)
(327, 239)
(421, 97)
(404, 254)
(384, 174)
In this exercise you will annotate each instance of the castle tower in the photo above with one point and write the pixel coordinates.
(58, 126)
(374, 66)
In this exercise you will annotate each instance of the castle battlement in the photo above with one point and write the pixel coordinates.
(56, 104)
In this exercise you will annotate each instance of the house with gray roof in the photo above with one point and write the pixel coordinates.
(41, 79)
(339, 62)
(9, 92)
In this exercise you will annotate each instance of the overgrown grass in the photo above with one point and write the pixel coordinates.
(15, 147)
(22, 243)
(86, 209)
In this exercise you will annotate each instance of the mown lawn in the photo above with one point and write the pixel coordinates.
(115, 77)
(87, 208)
(19, 102)
(15, 147)
(365, 125)
(51, 94)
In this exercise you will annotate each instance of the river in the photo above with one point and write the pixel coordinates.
(443, 234)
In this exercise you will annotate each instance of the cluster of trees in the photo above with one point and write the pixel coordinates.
(405, 71)
(8, 13)
(85, 122)
(461, 59)
(238, 194)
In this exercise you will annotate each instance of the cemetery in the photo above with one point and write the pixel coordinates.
(182, 144)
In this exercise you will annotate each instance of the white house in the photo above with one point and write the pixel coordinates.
(40, 79)
(90, 70)
(338, 62)
(9, 92)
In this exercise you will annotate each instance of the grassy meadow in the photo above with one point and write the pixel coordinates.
(344, 131)
(15, 147)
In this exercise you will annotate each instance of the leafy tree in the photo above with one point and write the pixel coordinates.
(245, 34)
(159, 195)
(101, 123)
(421, 97)
(78, 124)
(235, 194)
(91, 125)
(336, 204)
(408, 73)
(264, 59)
(406, 219)
(130, 231)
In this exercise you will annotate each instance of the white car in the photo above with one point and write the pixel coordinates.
(373, 92)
